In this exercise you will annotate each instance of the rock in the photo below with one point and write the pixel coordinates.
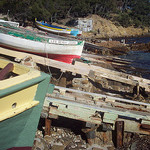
(96, 147)
(65, 139)
(56, 147)
(140, 46)
(110, 148)
(40, 144)
(82, 84)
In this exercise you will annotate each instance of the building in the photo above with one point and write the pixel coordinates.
(85, 25)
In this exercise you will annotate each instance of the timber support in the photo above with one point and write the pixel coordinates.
(119, 133)
(48, 126)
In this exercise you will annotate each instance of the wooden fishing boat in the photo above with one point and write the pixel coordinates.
(22, 98)
(53, 48)
(15, 24)
(56, 29)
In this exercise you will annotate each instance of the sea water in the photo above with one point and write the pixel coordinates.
(140, 59)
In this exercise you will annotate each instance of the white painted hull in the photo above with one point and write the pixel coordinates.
(14, 24)
(52, 48)
(52, 30)
(58, 30)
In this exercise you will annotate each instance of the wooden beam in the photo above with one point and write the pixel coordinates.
(48, 126)
(45, 61)
(112, 59)
(99, 75)
(101, 72)
(119, 133)
(112, 72)
(86, 112)
(128, 101)
(82, 68)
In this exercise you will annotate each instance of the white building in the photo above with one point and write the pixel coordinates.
(85, 25)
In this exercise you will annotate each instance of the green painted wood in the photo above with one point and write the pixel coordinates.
(11, 129)
(32, 123)
(50, 88)
(20, 86)
(19, 131)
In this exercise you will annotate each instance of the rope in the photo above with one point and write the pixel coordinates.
(49, 66)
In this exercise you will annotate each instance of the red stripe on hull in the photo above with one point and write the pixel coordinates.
(59, 57)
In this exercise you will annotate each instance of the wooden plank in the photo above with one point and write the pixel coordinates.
(99, 75)
(45, 61)
(104, 70)
(106, 58)
(103, 96)
(70, 109)
(77, 111)
(116, 76)
(105, 61)
(113, 61)
(98, 101)
(81, 68)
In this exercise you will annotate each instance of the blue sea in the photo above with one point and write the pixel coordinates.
(140, 59)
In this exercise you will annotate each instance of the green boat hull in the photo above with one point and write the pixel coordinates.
(19, 130)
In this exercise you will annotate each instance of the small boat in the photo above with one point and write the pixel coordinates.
(50, 47)
(15, 24)
(56, 29)
(21, 101)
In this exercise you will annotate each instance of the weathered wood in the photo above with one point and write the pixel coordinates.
(111, 98)
(93, 113)
(112, 72)
(6, 70)
(44, 61)
(106, 58)
(48, 126)
(99, 75)
(115, 75)
(119, 133)
(83, 69)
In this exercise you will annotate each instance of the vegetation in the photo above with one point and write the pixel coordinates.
(127, 12)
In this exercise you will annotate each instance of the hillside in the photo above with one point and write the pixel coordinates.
(108, 29)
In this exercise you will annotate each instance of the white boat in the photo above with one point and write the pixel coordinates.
(15, 24)
(57, 49)
(56, 29)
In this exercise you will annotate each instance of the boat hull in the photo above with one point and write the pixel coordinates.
(57, 30)
(21, 103)
(60, 52)
(17, 128)
(52, 29)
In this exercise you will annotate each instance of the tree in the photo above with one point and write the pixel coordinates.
(140, 12)
(129, 12)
